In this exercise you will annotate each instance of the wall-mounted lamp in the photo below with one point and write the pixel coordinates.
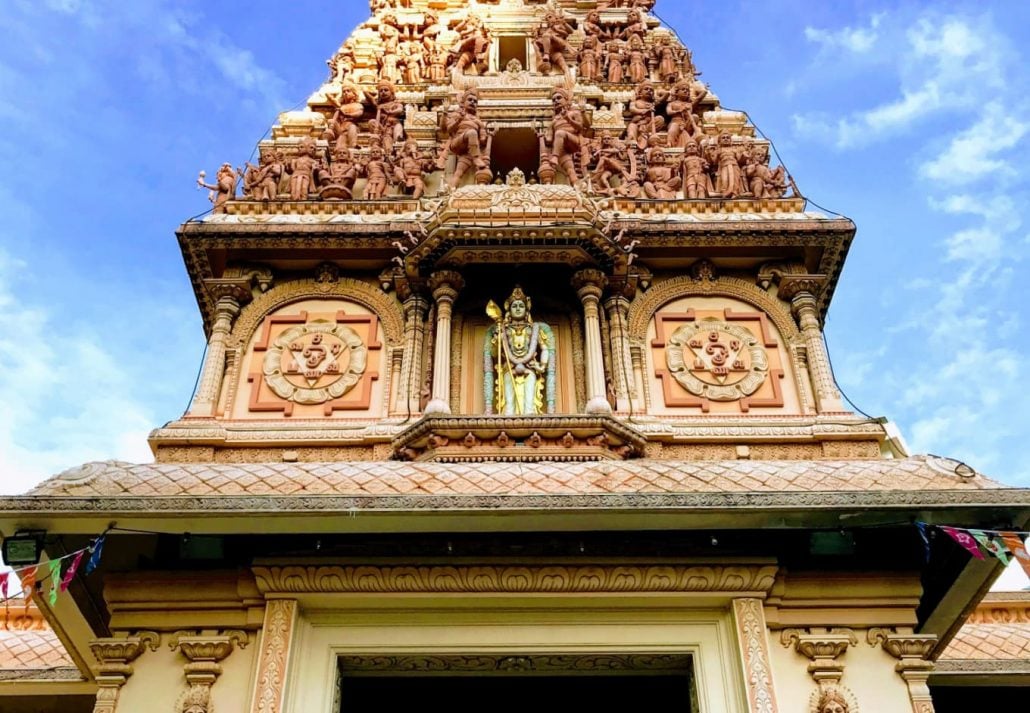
(23, 548)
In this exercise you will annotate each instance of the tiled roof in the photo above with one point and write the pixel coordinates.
(998, 631)
(391, 478)
(27, 643)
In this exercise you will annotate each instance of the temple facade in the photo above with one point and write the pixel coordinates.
(516, 390)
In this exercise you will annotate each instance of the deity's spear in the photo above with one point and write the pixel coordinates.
(494, 313)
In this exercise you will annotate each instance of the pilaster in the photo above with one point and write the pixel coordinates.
(230, 296)
(416, 308)
(589, 285)
(445, 286)
(753, 638)
(276, 642)
(914, 665)
(802, 292)
(617, 308)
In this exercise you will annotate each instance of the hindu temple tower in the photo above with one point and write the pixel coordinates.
(516, 389)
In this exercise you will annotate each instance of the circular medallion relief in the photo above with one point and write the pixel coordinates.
(716, 360)
(315, 362)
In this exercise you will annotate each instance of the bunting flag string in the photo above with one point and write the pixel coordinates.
(60, 573)
(1003, 545)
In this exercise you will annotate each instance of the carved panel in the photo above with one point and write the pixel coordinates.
(515, 579)
(703, 357)
(315, 360)
(754, 648)
(276, 638)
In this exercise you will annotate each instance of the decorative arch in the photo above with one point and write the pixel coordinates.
(388, 310)
(643, 308)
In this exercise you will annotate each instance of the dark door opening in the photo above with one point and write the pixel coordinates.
(511, 47)
(525, 694)
(515, 148)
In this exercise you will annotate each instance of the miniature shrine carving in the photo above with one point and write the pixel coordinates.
(519, 360)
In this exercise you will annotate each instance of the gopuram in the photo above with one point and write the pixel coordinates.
(515, 397)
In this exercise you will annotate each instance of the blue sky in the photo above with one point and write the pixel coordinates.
(910, 118)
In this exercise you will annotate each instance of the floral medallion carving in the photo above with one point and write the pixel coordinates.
(315, 362)
(717, 361)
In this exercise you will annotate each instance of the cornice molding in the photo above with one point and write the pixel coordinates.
(495, 579)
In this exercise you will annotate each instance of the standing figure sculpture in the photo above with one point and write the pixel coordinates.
(224, 188)
(468, 140)
(343, 126)
(727, 158)
(389, 119)
(519, 360)
(570, 130)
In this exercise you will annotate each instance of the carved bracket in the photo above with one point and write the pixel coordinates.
(115, 657)
(914, 664)
(823, 647)
(205, 654)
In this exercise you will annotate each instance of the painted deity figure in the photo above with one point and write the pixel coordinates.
(569, 134)
(519, 360)
(468, 140)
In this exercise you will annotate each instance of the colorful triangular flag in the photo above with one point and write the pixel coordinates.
(991, 545)
(28, 582)
(96, 551)
(965, 539)
(55, 580)
(5, 580)
(73, 568)
(1017, 548)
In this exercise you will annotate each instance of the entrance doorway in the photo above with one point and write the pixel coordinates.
(506, 685)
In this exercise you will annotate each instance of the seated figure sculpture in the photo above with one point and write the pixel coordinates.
(519, 360)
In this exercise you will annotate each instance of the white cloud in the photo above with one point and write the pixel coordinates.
(853, 39)
(974, 153)
(67, 398)
(945, 64)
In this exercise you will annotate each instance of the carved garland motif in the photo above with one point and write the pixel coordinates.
(672, 663)
(752, 632)
(277, 633)
(515, 579)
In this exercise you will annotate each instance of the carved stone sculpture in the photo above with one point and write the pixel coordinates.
(643, 121)
(569, 134)
(832, 701)
(343, 126)
(727, 159)
(222, 190)
(590, 60)
(338, 179)
(473, 45)
(613, 58)
(696, 181)
(636, 60)
(612, 161)
(519, 360)
(468, 140)
(662, 178)
(680, 109)
(377, 173)
(302, 171)
(410, 168)
(389, 121)
(763, 181)
(551, 44)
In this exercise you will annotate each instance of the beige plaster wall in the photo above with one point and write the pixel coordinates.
(159, 680)
(868, 672)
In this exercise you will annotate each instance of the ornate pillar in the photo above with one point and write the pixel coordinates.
(445, 285)
(824, 647)
(115, 657)
(802, 292)
(230, 295)
(753, 637)
(617, 308)
(415, 309)
(589, 286)
(205, 654)
(276, 641)
(914, 664)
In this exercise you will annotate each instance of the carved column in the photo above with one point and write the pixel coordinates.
(276, 641)
(622, 362)
(802, 292)
(415, 310)
(230, 296)
(115, 657)
(639, 377)
(205, 654)
(914, 664)
(589, 286)
(753, 637)
(445, 285)
(823, 647)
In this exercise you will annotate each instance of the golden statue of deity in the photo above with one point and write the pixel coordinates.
(518, 360)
